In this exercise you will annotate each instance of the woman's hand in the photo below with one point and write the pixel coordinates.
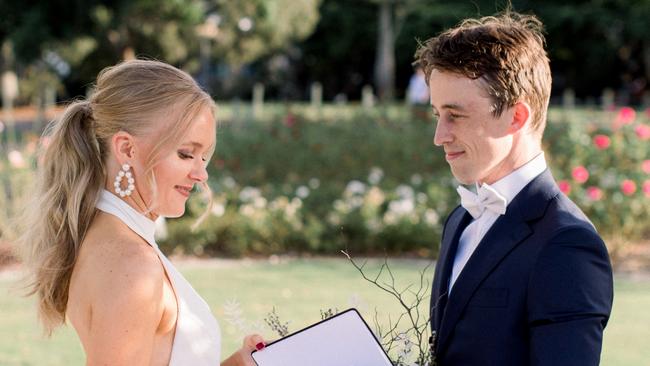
(243, 357)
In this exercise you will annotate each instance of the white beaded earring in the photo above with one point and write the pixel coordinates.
(124, 173)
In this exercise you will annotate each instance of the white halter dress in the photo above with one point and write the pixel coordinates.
(197, 341)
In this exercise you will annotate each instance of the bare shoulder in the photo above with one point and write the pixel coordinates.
(116, 260)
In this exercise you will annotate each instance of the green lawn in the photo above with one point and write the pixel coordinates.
(298, 289)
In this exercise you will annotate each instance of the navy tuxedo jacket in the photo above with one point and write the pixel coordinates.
(537, 291)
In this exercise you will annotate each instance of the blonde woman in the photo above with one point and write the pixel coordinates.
(115, 163)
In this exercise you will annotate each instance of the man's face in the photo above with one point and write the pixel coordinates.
(478, 146)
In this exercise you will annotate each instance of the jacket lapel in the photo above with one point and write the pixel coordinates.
(506, 233)
(458, 221)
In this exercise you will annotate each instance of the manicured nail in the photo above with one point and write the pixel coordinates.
(260, 346)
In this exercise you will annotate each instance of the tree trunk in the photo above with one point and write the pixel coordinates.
(385, 56)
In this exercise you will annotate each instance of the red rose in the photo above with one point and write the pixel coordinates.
(595, 193)
(642, 131)
(565, 186)
(626, 116)
(580, 174)
(602, 142)
(628, 187)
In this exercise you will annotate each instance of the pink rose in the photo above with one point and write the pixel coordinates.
(645, 166)
(580, 174)
(628, 187)
(626, 116)
(594, 193)
(642, 131)
(602, 142)
(646, 188)
(565, 186)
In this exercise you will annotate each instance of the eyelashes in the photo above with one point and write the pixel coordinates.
(186, 156)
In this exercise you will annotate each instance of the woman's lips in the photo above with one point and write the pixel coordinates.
(453, 155)
(185, 191)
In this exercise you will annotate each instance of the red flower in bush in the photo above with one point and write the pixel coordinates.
(580, 174)
(645, 166)
(642, 131)
(602, 142)
(646, 188)
(626, 116)
(565, 186)
(628, 187)
(595, 193)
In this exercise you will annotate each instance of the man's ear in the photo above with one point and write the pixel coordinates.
(520, 117)
(123, 145)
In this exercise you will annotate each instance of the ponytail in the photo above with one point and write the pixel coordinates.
(63, 206)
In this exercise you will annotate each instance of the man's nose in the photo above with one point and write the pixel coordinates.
(442, 135)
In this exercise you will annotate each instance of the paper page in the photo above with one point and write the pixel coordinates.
(343, 340)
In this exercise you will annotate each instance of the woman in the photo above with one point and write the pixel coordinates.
(115, 163)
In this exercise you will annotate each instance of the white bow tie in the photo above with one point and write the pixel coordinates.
(486, 199)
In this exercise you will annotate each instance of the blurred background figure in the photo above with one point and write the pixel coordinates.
(417, 91)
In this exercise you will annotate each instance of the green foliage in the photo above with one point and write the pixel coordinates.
(612, 147)
(373, 183)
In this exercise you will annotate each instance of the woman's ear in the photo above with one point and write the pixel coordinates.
(123, 146)
(520, 117)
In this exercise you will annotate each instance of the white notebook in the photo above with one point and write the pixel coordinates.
(342, 340)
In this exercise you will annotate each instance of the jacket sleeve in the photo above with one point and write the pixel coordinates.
(569, 299)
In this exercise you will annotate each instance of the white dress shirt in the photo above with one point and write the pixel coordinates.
(508, 186)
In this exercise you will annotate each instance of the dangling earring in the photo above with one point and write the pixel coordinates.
(124, 173)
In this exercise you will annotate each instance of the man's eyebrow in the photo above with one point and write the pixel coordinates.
(454, 106)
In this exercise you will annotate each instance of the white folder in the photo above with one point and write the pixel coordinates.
(342, 340)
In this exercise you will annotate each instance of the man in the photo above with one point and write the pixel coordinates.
(523, 278)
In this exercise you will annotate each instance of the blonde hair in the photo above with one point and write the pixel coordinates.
(135, 96)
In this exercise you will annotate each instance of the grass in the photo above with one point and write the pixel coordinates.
(298, 289)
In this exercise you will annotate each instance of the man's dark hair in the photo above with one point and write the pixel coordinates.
(505, 51)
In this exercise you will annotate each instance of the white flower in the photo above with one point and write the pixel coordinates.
(355, 187)
(401, 207)
(431, 217)
(259, 202)
(218, 209)
(375, 196)
(314, 183)
(279, 203)
(16, 159)
(422, 198)
(405, 192)
(247, 210)
(302, 192)
(249, 194)
(355, 202)
(375, 176)
(229, 182)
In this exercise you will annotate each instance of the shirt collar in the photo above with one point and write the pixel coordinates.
(510, 185)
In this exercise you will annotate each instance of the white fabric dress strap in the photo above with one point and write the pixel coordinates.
(197, 340)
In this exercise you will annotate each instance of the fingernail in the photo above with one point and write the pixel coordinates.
(260, 346)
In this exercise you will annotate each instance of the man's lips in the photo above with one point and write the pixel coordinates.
(453, 155)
